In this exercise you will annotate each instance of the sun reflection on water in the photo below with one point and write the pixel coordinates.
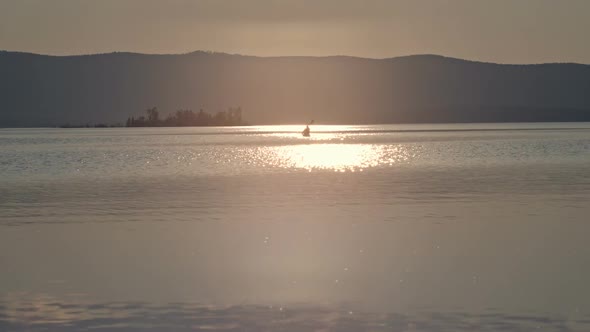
(336, 157)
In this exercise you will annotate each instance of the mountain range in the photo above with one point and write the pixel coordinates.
(41, 90)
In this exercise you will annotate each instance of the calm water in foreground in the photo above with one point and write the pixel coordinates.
(393, 228)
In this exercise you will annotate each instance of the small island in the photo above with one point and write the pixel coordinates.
(188, 118)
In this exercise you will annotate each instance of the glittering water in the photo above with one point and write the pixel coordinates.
(408, 227)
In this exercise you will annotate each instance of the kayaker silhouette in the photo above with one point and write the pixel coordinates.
(305, 131)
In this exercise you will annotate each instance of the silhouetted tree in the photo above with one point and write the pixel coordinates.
(220, 119)
(153, 116)
(234, 116)
(203, 118)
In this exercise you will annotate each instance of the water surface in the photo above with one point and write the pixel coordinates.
(406, 227)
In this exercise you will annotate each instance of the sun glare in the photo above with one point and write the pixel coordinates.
(336, 157)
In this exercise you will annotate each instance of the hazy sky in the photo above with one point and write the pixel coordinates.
(507, 31)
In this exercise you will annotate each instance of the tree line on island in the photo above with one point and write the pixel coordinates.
(187, 118)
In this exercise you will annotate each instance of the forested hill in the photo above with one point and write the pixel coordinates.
(39, 90)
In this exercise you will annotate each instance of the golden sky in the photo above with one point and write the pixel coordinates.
(506, 31)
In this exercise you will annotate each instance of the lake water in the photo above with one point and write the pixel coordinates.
(396, 228)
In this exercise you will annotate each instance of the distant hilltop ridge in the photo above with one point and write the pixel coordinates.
(43, 90)
(216, 53)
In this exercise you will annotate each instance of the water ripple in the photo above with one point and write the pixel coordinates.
(45, 314)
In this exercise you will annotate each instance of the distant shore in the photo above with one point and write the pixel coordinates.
(181, 118)
(188, 118)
